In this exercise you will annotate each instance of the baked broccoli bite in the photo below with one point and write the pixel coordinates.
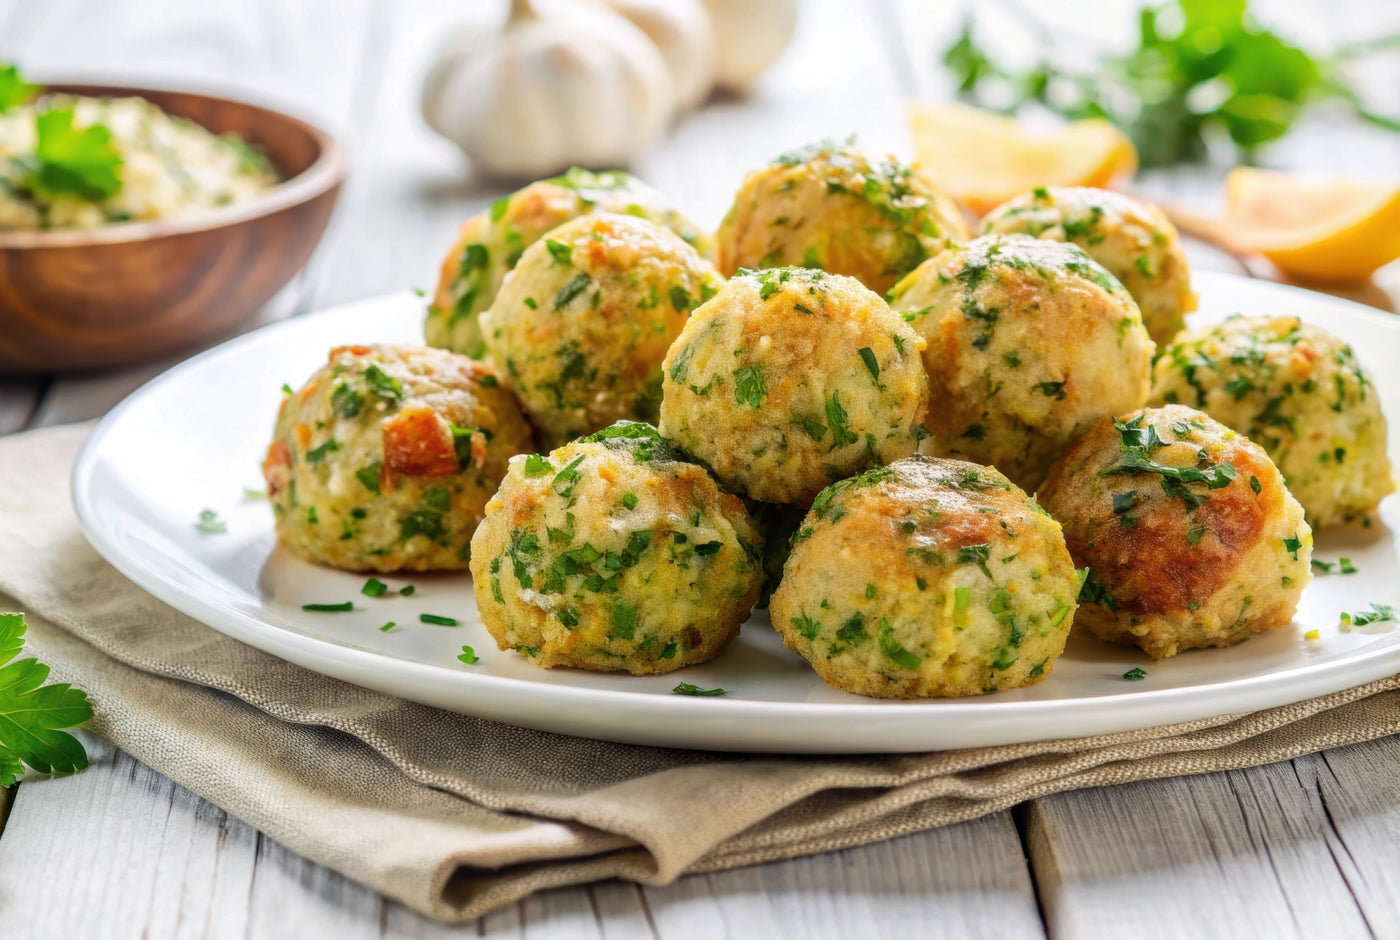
(489, 245)
(839, 208)
(579, 328)
(924, 578)
(385, 458)
(791, 378)
(1133, 240)
(1189, 534)
(1029, 342)
(615, 553)
(1297, 391)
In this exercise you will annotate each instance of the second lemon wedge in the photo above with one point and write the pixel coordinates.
(983, 159)
(1320, 229)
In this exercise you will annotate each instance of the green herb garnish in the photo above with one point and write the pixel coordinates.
(374, 588)
(1135, 674)
(329, 608)
(468, 656)
(1198, 68)
(210, 523)
(33, 715)
(437, 620)
(70, 162)
(1377, 612)
(685, 688)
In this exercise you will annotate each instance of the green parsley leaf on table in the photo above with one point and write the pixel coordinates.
(73, 162)
(14, 90)
(33, 715)
(685, 688)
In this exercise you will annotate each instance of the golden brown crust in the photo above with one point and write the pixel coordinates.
(1178, 564)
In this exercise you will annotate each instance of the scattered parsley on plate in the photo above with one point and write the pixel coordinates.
(685, 688)
(1135, 674)
(468, 656)
(32, 714)
(210, 523)
(1377, 613)
(374, 588)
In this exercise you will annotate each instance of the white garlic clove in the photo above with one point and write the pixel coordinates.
(750, 35)
(681, 29)
(560, 84)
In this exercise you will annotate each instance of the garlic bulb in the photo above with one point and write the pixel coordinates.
(560, 84)
(681, 30)
(750, 35)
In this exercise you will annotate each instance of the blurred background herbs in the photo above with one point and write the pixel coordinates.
(1202, 70)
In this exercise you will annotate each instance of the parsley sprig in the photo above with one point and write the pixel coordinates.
(33, 715)
(1136, 447)
(74, 162)
(1199, 67)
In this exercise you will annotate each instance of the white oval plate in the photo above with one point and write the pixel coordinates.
(193, 439)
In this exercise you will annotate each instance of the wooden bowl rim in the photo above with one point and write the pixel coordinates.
(325, 173)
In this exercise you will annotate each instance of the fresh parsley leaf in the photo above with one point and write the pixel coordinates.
(468, 656)
(14, 90)
(1135, 674)
(562, 253)
(685, 688)
(210, 523)
(1377, 613)
(749, 386)
(70, 162)
(871, 363)
(33, 715)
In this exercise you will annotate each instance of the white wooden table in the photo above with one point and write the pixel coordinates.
(1305, 848)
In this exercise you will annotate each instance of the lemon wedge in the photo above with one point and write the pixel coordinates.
(983, 159)
(1314, 228)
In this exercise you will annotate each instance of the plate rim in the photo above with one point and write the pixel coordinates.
(1103, 714)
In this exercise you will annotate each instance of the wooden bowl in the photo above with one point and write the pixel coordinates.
(90, 298)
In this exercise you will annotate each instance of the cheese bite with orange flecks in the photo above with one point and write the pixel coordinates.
(385, 458)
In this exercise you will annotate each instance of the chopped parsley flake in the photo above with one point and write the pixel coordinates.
(210, 523)
(468, 656)
(374, 588)
(750, 387)
(685, 688)
(1135, 674)
(1377, 612)
(871, 363)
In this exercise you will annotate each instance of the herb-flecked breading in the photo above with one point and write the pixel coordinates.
(790, 378)
(927, 577)
(1028, 343)
(385, 458)
(1297, 391)
(1186, 531)
(580, 328)
(615, 553)
(833, 206)
(1133, 240)
(489, 245)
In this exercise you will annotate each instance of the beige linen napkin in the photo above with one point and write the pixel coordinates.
(454, 815)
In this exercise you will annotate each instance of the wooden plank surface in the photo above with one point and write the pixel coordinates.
(157, 861)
